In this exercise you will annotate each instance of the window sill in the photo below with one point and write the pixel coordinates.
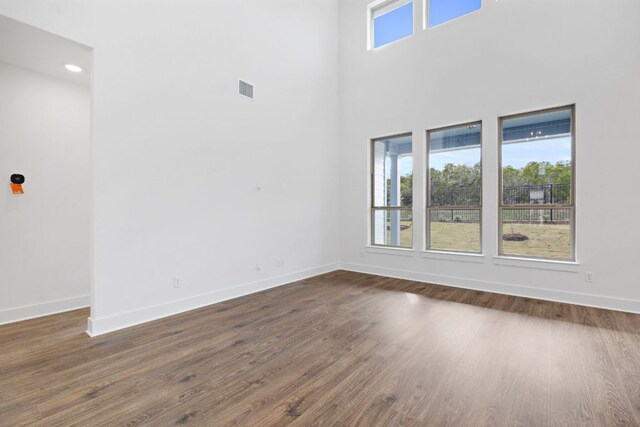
(454, 256)
(540, 264)
(382, 250)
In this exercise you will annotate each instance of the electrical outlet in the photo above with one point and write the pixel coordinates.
(361, 254)
(177, 282)
(280, 262)
(588, 277)
(258, 266)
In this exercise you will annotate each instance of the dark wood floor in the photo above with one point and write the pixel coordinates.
(339, 349)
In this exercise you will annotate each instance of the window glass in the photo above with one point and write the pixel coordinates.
(392, 191)
(454, 230)
(441, 11)
(541, 233)
(537, 179)
(455, 188)
(392, 227)
(536, 159)
(392, 25)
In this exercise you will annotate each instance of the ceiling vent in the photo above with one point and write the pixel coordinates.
(245, 89)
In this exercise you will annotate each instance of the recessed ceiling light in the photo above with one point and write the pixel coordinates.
(73, 68)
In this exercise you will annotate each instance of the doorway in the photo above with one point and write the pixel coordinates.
(45, 132)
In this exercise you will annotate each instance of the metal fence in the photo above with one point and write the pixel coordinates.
(455, 196)
(406, 215)
(544, 194)
(519, 215)
(454, 215)
(535, 195)
(545, 216)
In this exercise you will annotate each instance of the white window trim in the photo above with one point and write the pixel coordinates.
(384, 250)
(539, 264)
(507, 258)
(454, 256)
(428, 207)
(370, 197)
(380, 7)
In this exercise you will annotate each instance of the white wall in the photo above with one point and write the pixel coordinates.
(44, 250)
(177, 154)
(511, 56)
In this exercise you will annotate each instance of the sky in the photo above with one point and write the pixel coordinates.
(393, 25)
(550, 150)
(467, 156)
(406, 165)
(398, 23)
(445, 10)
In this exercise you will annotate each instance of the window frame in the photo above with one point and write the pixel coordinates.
(428, 207)
(387, 6)
(520, 206)
(373, 208)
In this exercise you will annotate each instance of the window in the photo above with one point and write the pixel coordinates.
(390, 21)
(441, 11)
(537, 205)
(454, 188)
(392, 192)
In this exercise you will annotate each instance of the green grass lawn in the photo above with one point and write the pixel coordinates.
(455, 236)
(545, 240)
(406, 235)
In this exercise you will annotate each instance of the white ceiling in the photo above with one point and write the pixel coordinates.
(28, 47)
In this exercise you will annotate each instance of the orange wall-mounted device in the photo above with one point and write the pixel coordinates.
(16, 183)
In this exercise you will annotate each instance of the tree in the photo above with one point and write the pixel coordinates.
(406, 189)
(456, 185)
(538, 173)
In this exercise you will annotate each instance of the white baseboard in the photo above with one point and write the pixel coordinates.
(26, 312)
(589, 300)
(103, 325)
(99, 326)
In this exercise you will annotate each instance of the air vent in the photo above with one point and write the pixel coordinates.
(245, 89)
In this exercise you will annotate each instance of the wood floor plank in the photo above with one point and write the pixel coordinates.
(338, 349)
(586, 389)
(511, 359)
(620, 334)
